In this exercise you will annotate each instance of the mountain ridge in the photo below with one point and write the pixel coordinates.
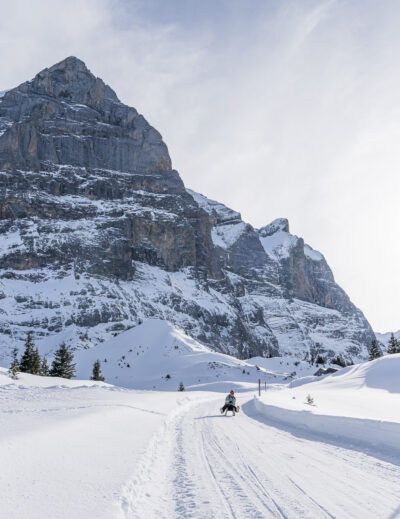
(90, 206)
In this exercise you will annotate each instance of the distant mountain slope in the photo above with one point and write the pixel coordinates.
(157, 355)
(97, 231)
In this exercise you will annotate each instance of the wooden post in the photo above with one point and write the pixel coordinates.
(259, 387)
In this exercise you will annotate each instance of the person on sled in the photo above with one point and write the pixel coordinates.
(230, 404)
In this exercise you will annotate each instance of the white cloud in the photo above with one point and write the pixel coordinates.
(275, 108)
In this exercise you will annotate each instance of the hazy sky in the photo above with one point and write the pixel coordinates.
(276, 108)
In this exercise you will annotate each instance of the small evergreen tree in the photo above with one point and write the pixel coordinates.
(339, 362)
(36, 362)
(309, 400)
(28, 359)
(96, 375)
(44, 368)
(320, 360)
(375, 352)
(14, 366)
(62, 365)
(181, 387)
(393, 345)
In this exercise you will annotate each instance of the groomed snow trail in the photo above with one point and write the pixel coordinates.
(203, 465)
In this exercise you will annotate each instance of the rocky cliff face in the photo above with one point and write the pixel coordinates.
(97, 230)
(67, 140)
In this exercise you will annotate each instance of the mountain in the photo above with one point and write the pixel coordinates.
(98, 232)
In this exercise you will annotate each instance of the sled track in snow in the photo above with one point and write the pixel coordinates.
(238, 484)
(203, 466)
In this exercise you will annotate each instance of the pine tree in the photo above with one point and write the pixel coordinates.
(181, 387)
(36, 363)
(28, 360)
(62, 365)
(44, 368)
(339, 362)
(393, 345)
(375, 351)
(97, 372)
(14, 366)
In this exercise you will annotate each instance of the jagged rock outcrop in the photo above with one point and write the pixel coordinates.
(97, 231)
(291, 286)
(65, 115)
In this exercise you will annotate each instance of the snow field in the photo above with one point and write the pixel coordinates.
(78, 448)
(68, 451)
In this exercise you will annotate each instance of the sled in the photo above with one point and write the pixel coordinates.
(233, 413)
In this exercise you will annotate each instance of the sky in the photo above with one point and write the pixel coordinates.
(276, 108)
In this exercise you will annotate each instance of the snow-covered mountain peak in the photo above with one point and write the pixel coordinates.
(279, 224)
(278, 244)
(221, 212)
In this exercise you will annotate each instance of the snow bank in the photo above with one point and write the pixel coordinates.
(373, 432)
(360, 403)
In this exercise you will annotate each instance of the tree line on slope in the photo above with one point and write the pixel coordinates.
(393, 347)
(62, 365)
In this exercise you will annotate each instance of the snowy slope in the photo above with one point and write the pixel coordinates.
(287, 366)
(143, 356)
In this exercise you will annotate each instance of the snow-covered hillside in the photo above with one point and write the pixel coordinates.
(157, 355)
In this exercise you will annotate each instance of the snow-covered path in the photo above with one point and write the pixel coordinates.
(204, 465)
